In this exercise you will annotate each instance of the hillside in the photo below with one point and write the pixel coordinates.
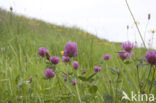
(30, 34)
(20, 40)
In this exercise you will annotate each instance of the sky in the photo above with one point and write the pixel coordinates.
(106, 19)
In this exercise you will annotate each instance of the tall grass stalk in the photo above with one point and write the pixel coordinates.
(136, 24)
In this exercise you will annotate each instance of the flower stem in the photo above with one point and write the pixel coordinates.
(135, 24)
(116, 94)
(77, 90)
(152, 81)
(138, 77)
(148, 76)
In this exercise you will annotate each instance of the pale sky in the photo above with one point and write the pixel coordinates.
(105, 18)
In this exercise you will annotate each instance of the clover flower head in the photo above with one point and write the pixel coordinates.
(65, 59)
(75, 65)
(70, 49)
(97, 68)
(49, 73)
(74, 82)
(54, 59)
(42, 51)
(151, 57)
(127, 46)
(124, 55)
(107, 57)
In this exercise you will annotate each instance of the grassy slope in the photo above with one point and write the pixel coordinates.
(22, 37)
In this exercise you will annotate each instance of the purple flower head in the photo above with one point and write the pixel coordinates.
(42, 51)
(128, 46)
(107, 57)
(151, 57)
(124, 55)
(70, 49)
(49, 73)
(75, 65)
(97, 68)
(65, 59)
(74, 82)
(54, 59)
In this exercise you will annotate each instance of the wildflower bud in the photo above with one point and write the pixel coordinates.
(36, 75)
(62, 52)
(30, 79)
(137, 66)
(141, 84)
(9, 101)
(143, 92)
(118, 73)
(137, 22)
(20, 98)
(149, 16)
(127, 27)
(92, 80)
(153, 31)
(11, 9)
(47, 55)
(8, 44)
(97, 68)
(75, 65)
(74, 82)
(65, 79)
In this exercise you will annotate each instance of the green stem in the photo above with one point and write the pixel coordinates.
(152, 81)
(58, 80)
(135, 24)
(138, 78)
(111, 90)
(100, 96)
(148, 76)
(77, 90)
(116, 94)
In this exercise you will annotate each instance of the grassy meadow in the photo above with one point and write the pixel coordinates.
(22, 69)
